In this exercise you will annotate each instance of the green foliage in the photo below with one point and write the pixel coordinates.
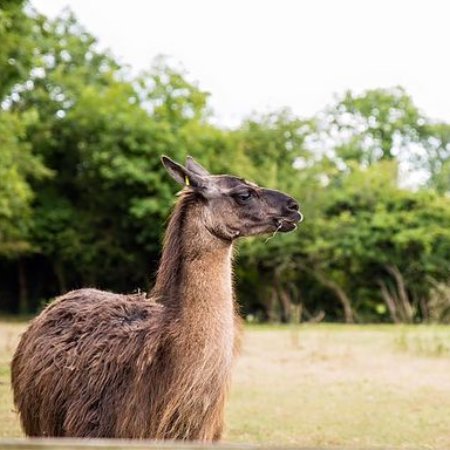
(436, 156)
(94, 132)
(380, 123)
(17, 166)
(84, 198)
(370, 224)
(16, 49)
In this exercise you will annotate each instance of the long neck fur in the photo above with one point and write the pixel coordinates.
(193, 260)
(194, 283)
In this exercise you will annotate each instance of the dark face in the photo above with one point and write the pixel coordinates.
(234, 207)
(244, 209)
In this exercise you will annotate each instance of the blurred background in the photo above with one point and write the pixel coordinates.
(344, 105)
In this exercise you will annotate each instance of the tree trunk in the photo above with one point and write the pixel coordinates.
(390, 301)
(297, 312)
(345, 301)
(23, 289)
(60, 276)
(271, 300)
(403, 299)
(283, 298)
(349, 315)
(286, 305)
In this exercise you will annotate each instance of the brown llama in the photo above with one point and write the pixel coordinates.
(98, 364)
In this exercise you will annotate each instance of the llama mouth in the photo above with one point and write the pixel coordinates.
(285, 224)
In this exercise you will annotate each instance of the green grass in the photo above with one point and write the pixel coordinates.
(323, 385)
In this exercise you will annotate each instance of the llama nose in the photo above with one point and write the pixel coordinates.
(292, 205)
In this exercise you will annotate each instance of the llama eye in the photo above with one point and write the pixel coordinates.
(243, 196)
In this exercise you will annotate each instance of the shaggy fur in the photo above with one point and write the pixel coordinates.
(97, 364)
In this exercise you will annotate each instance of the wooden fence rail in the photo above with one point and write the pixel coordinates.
(119, 444)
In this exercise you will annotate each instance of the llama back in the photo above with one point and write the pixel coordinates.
(77, 363)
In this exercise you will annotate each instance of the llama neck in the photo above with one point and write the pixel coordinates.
(195, 275)
(195, 285)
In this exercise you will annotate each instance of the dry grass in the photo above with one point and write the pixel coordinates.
(341, 386)
(9, 333)
(326, 385)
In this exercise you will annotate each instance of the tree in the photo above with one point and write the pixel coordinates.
(83, 197)
(376, 125)
(435, 159)
(99, 221)
(377, 242)
(16, 50)
(18, 164)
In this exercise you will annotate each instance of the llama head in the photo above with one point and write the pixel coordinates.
(230, 206)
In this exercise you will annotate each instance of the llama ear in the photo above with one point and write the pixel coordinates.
(194, 166)
(182, 175)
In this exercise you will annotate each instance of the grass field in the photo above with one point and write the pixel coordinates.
(323, 385)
